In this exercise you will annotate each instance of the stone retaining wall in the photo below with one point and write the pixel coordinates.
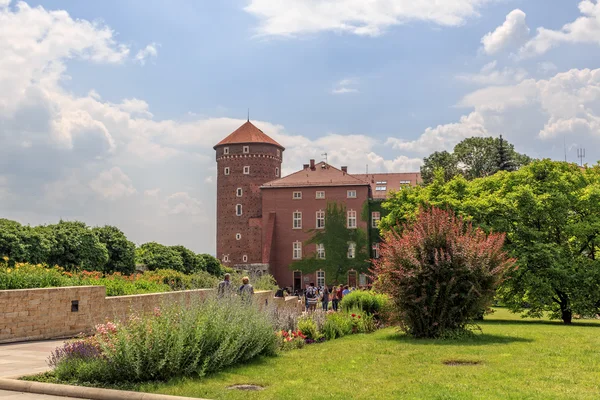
(52, 313)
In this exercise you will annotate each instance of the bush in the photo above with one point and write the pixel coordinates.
(337, 324)
(372, 303)
(309, 328)
(204, 337)
(440, 272)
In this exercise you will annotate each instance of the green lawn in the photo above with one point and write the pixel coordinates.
(519, 359)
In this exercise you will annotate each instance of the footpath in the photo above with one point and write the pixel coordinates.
(27, 358)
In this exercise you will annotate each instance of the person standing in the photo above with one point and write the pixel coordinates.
(346, 290)
(246, 290)
(311, 296)
(325, 298)
(334, 298)
(224, 286)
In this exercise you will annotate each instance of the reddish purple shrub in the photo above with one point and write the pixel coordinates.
(440, 273)
(83, 349)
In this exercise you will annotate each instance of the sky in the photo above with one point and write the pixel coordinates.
(109, 110)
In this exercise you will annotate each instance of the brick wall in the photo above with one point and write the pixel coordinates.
(34, 314)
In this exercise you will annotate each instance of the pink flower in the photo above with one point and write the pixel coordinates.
(157, 311)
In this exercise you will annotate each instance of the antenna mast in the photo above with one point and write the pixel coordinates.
(325, 155)
(581, 155)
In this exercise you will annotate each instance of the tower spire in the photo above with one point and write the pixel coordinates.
(248, 114)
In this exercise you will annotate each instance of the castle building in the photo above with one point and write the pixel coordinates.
(264, 220)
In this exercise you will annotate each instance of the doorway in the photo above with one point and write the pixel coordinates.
(352, 279)
(297, 281)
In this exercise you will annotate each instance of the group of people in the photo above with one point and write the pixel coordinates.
(225, 287)
(324, 295)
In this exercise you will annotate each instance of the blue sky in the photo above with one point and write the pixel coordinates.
(109, 110)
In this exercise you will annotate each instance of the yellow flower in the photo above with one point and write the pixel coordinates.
(8, 270)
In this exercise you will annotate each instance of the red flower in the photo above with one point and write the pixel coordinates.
(359, 316)
(353, 315)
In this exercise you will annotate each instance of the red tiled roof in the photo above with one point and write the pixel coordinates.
(392, 182)
(322, 175)
(248, 133)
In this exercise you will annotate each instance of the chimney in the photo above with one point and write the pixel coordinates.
(345, 169)
(312, 164)
(305, 166)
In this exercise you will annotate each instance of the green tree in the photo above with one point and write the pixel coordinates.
(73, 245)
(11, 244)
(550, 212)
(336, 239)
(440, 159)
(210, 264)
(121, 252)
(191, 262)
(157, 256)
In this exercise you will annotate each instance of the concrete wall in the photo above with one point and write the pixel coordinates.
(49, 313)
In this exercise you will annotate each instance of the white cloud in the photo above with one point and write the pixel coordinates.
(546, 67)
(535, 115)
(346, 86)
(490, 75)
(442, 137)
(512, 33)
(150, 51)
(4, 3)
(184, 204)
(113, 184)
(585, 29)
(359, 17)
(152, 192)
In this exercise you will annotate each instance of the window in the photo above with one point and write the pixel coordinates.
(225, 150)
(381, 182)
(297, 220)
(239, 192)
(320, 195)
(351, 223)
(320, 278)
(296, 195)
(245, 258)
(297, 254)
(351, 194)
(375, 217)
(238, 209)
(405, 182)
(277, 172)
(246, 149)
(380, 188)
(226, 172)
(246, 170)
(320, 219)
(362, 280)
(351, 250)
(225, 258)
(320, 251)
(375, 250)
(238, 236)
(278, 153)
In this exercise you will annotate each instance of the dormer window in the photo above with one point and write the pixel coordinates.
(246, 149)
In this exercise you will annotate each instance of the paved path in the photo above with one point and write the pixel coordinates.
(27, 358)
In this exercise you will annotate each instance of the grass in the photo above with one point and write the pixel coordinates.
(517, 359)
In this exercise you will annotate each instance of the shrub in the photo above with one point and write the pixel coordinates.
(376, 304)
(203, 337)
(308, 327)
(440, 272)
(337, 324)
(289, 340)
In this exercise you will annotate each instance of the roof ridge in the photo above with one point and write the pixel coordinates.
(248, 133)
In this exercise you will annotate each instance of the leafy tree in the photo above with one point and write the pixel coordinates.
(474, 157)
(440, 159)
(73, 245)
(210, 264)
(191, 262)
(11, 244)
(336, 238)
(157, 256)
(550, 212)
(121, 252)
(440, 272)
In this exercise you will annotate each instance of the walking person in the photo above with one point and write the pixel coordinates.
(311, 296)
(325, 298)
(334, 298)
(246, 291)
(224, 286)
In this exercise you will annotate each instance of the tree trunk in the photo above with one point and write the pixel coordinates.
(567, 315)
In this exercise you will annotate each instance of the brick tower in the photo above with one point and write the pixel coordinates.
(246, 159)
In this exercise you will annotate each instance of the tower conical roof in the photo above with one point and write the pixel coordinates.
(248, 133)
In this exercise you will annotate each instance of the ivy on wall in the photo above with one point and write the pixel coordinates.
(336, 237)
